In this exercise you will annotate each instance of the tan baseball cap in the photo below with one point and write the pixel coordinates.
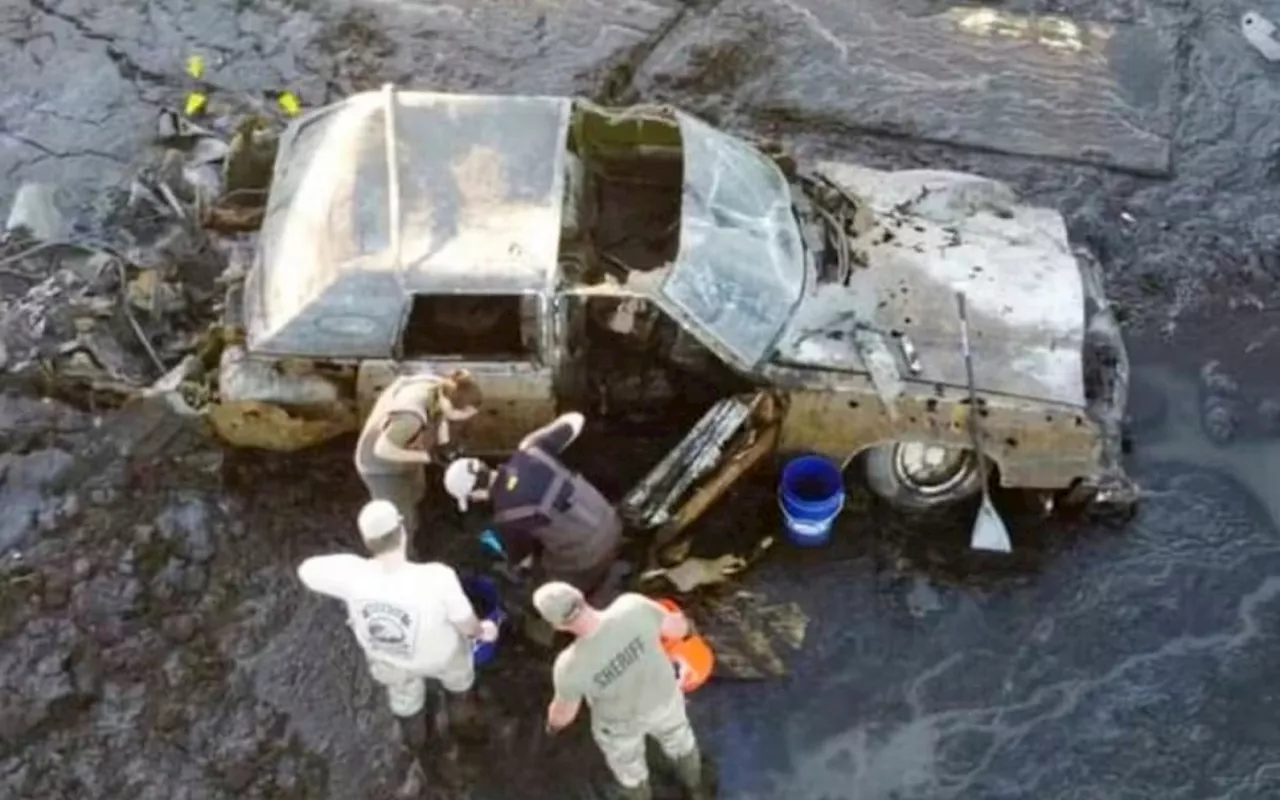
(558, 602)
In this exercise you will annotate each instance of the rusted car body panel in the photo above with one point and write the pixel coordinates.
(1035, 445)
(930, 235)
(465, 197)
(937, 233)
(391, 197)
(731, 438)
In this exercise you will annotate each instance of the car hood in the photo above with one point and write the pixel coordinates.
(936, 234)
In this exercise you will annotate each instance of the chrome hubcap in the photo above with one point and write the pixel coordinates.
(931, 469)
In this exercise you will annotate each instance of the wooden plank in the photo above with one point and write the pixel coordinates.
(1035, 86)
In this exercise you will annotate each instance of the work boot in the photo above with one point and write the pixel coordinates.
(641, 792)
(415, 732)
(465, 718)
(689, 773)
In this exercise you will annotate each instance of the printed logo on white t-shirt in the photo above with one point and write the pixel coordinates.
(388, 629)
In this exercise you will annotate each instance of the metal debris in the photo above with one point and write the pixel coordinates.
(130, 315)
(1260, 32)
(265, 426)
(249, 162)
(35, 212)
(752, 638)
(694, 573)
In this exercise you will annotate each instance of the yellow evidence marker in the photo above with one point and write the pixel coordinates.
(289, 104)
(196, 100)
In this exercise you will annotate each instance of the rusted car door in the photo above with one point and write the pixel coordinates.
(731, 438)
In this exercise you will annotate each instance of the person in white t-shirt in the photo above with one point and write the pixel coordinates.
(413, 621)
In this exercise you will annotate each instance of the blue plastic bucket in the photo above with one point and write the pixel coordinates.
(811, 494)
(483, 594)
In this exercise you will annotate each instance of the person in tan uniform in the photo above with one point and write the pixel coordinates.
(618, 665)
(408, 426)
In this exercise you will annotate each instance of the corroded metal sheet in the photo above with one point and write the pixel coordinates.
(654, 500)
(473, 206)
(1030, 85)
(935, 234)
(753, 639)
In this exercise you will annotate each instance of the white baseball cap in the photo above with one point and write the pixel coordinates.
(460, 479)
(377, 519)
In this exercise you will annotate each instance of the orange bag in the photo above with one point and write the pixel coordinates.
(692, 656)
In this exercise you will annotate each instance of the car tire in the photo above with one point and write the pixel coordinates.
(886, 482)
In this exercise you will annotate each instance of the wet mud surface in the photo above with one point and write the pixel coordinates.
(157, 644)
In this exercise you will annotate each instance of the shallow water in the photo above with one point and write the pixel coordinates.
(1132, 663)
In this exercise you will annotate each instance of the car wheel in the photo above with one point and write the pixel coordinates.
(914, 477)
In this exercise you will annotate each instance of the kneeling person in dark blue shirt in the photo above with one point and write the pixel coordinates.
(543, 508)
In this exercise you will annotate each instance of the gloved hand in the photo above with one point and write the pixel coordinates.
(488, 631)
(447, 453)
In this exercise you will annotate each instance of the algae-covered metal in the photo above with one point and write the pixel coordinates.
(558, 249)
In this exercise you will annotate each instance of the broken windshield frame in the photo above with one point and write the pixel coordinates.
(741, 269)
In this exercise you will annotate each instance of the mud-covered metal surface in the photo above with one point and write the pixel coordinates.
(156, 644)
(934, 235)
(391, 194)
(741, 266)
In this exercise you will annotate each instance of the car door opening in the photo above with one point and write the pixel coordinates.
(635, 177)
(464, 326)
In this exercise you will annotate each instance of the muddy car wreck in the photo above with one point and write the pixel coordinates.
(639, 261)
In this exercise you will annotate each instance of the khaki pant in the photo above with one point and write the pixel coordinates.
(405, 490)
(407, 691)
(622, 743)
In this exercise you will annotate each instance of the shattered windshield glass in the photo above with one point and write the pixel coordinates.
(740, 270)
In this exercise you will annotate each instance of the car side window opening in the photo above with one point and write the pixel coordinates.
(471, 327)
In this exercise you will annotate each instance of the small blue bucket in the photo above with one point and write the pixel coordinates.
(811, 494)
(483, 594)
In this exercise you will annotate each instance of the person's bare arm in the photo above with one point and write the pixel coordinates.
(458, 608)
(557, 435)
(326, 574)
(566, 703)
(674, 625)
(388, 450)
(562, 713)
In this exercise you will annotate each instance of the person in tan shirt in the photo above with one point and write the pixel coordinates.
(409, 424)
(618, 665)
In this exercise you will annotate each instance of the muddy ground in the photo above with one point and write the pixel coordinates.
(157, 644)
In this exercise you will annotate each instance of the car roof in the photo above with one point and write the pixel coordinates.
(473, 206)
